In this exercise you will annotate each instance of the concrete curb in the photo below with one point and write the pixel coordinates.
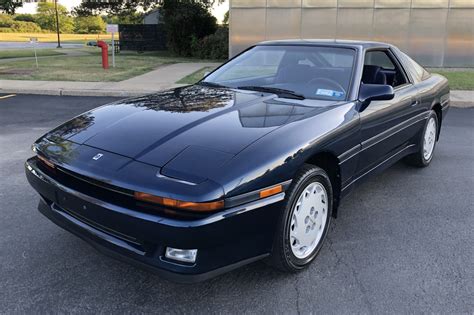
(69, 92)
(458, 104)
(110, 93)
(29, 91)
(462, 99)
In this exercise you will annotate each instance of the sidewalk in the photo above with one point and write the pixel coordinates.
(162, 78)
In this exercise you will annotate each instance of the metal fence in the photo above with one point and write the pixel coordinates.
(142, 37)
(437, 33)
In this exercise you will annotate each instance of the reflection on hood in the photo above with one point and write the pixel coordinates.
(187, 99)
(271, 114)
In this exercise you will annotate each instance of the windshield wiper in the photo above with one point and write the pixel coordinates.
(277, 91)
(211, 84)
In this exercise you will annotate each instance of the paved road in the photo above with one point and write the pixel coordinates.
(21, 45)
(403, 242)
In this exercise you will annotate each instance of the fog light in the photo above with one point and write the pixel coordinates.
(184, 255)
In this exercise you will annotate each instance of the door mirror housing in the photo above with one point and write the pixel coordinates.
(374, 92)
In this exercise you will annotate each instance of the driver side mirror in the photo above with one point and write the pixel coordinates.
(374, 92)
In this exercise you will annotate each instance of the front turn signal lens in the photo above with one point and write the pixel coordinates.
(271, 191)
(46, 161)
(184, 205)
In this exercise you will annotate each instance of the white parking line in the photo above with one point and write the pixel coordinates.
(7, 96)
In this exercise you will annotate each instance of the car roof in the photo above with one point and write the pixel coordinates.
(327, 42)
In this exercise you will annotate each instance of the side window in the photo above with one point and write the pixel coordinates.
(380, 59)
(379, 68)
(340, 60)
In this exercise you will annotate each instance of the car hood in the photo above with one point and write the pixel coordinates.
(187, 132)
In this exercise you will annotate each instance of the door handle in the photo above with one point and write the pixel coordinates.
(415, 103)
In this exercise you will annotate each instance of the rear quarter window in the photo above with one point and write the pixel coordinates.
(415, 69)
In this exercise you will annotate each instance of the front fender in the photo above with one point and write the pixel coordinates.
(279, 155)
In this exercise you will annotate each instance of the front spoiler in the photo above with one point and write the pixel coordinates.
(225, 240)
(165, 274)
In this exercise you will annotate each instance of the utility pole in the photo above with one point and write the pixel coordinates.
(57, 21)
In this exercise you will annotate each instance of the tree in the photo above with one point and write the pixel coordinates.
(225, 21)
(131, 18)
(10, 6)
(124, 11)
(89, 25)
(46, 18)
(128, 8)
(185, 22)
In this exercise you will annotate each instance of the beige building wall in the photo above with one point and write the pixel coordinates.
(437, 33)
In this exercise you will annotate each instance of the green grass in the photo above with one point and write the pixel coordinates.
(82, 68)
(86, 68)
(195, 77)
(458, 80)
(19, 53)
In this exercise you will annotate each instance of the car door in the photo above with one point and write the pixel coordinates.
(385, 125)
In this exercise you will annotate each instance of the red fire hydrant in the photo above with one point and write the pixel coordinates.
(105, 53)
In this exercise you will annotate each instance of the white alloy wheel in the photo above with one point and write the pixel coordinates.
(309, 219)
(429, 139)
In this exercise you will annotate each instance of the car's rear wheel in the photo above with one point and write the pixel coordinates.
(305, 220)
(427, 143)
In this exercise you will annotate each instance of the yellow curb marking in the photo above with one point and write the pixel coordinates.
(7, 96)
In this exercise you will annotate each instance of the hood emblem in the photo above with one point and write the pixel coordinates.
(97, 156)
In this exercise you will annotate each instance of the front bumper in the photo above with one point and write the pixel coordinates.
(225, 240)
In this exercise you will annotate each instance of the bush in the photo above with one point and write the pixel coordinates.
(89, 25)
(185, 20)
(215, 46)
(24, 17)
(6, 20)
(6, 30)
(25, 27)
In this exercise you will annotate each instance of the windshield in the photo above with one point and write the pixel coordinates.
(313, 72)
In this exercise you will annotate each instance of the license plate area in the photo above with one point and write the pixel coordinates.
(93, 216)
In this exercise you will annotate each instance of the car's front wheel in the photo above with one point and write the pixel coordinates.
(305, 220)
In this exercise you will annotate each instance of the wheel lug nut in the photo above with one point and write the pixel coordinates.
(306, 220)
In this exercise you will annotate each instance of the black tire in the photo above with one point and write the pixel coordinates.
(282, 256)
(418, 159)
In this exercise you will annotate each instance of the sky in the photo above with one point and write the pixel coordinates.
(218, 10)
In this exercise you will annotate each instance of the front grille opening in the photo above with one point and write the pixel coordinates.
(104, 229)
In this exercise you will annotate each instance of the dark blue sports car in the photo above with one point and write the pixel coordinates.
(249, 163)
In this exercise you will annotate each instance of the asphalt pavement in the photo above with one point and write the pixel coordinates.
(403, 242)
